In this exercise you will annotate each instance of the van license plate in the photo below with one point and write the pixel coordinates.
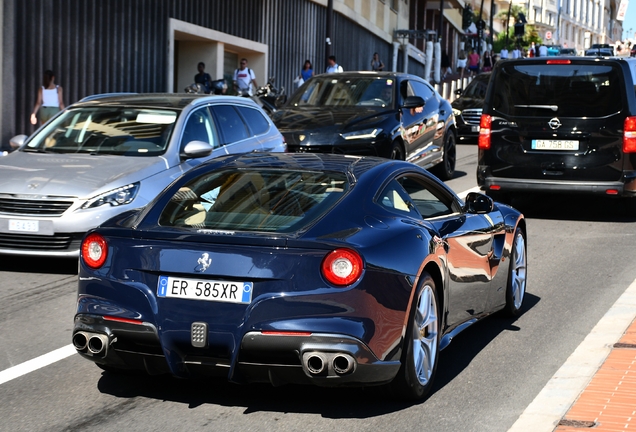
(555, 145)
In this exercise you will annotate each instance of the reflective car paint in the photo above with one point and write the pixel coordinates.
(419, 133)
(293, 311)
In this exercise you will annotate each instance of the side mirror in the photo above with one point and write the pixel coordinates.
(413, 102)
(17, 141)
(196, 149)
(478, 203)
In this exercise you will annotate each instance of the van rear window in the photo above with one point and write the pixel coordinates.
(568, 90)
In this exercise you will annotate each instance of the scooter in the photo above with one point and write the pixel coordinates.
(270, 97)
(217, 87)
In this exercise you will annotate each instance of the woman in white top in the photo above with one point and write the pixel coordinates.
(49, 100)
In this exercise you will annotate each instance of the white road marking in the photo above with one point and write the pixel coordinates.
(36, 363)
(563, 389)
(462, 195)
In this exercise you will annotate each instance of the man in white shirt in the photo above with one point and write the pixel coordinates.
(333, 66)
(516, 53)
(543, 51)
(504, 53)
(244, 79)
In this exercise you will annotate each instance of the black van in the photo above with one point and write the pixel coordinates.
(559, 124)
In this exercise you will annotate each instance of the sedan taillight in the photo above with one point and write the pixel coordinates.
(484, 132)
(342, 267)
(94, 250)
(629, 135)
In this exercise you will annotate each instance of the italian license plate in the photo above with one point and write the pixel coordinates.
(474, 128)
(21, 225)
(555, 145)
(198, 289)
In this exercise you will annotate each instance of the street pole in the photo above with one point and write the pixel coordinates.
(508, 22)
(328, 31)
(480, 32)
(441, 20)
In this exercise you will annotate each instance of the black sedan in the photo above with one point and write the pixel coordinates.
(392, 115)
(298, 268)
(467, 108)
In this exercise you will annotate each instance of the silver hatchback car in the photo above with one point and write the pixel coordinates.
(112, 153)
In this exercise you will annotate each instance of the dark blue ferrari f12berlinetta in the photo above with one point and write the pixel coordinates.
(298, 268)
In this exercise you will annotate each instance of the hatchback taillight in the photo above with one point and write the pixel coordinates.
(629, 135)
(342, 267)
(94, 250)
(484, 132)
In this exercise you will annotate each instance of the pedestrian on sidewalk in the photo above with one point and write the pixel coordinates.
(445, 64)
(487, 62)
(461, 63)
(333, 67)
(473, 62)
(203, 78)
(49, 100)
(244, 79)
(376, 63)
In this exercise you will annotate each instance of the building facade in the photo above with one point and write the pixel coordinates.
(147, 46)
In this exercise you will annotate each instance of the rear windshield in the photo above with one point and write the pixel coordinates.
(254, 200)
(567, 90)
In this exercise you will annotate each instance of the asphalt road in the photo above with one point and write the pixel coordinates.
(580, 262)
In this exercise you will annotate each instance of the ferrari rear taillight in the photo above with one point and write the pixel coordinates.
(484, 132)
(342, 267)
(94, 250)
(629, 135)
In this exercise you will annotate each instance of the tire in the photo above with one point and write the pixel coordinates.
(517, 275)
(420, 352)
(446, 168)
(396, 152)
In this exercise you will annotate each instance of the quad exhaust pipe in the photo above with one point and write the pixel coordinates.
(328, 364)
(95, 344)
(343, 364)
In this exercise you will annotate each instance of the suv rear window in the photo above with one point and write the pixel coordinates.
(566, 90)
(254, 200)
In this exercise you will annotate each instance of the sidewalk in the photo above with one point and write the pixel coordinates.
(609, 401)
(595, 389)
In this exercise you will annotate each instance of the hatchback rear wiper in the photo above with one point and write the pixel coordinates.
(550, 107)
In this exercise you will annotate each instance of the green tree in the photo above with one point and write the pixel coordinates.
(515, 10)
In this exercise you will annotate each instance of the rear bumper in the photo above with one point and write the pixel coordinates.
(262, 357)
(625, 187)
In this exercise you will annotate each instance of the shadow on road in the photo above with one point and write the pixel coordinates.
(30, 264)
(575, 207)
(358, 403)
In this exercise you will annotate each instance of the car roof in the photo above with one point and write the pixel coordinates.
(572, 58)
(359, 74)
(353, 165)
(159, 100)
